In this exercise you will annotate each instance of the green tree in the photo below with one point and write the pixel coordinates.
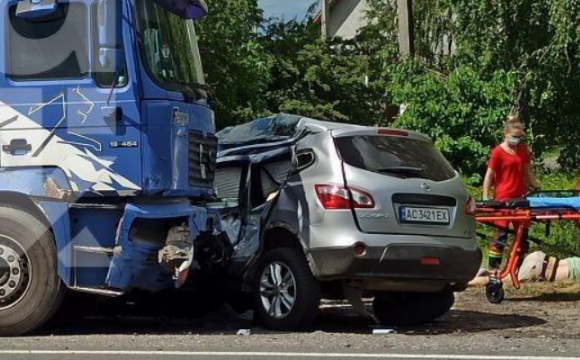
(237, 67)
(508, 56)
(312, 77)
(476, 62)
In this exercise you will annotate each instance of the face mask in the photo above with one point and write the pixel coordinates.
(514, 141)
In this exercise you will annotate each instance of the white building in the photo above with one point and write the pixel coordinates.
(345, 18)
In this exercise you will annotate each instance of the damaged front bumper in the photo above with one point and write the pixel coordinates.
(155, 245)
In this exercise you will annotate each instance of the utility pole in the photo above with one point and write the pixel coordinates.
(406, 31)
(324, 17)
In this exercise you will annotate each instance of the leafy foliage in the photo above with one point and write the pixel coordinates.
(462, 111)
(320, 79)
(238, 67)
(476, 62)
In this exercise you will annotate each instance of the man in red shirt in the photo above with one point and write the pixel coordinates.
(510, 173)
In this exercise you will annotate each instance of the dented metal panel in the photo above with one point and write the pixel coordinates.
(135, 262)
(279, 192)
(266, 130)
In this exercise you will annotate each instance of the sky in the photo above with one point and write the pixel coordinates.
(288, 9)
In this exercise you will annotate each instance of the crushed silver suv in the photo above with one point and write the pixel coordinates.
(325, 210)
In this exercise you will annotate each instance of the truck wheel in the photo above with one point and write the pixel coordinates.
(286, 294)
(30, 288)
(412, 309)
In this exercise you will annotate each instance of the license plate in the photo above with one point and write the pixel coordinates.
(424, 215)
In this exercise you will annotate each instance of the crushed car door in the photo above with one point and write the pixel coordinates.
(265, 181)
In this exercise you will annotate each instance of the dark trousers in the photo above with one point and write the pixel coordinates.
(500, 241)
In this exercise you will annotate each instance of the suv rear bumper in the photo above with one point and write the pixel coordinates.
(400, 262)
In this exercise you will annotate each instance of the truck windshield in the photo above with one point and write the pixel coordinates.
(170, 50)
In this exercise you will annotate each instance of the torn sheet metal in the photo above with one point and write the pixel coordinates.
(264, 153)
(232, 224)
(276, 128)
(177, 254)
(277, 131)
(135, 262)
(244, 226)
(249, 241)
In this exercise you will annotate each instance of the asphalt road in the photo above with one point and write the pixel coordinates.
(533, 325)
(262, 355)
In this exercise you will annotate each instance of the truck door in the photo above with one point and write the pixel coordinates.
(57, 106)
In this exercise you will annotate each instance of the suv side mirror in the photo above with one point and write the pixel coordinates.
(109, 24)
(34, 9)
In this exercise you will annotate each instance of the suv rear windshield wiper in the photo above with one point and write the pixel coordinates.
(402, 170)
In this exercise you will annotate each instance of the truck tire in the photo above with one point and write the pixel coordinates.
(412, 309)
(286, 294)
(30, 288)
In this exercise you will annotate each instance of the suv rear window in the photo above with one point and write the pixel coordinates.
(395, 156)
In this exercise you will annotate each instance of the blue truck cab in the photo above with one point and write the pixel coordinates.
(107, 151)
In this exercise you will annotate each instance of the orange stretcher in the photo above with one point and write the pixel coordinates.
(522, 213)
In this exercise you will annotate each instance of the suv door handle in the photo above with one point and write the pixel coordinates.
(17, 147)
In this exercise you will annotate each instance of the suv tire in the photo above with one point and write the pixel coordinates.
(412, 309)
(286, 295)
(31, 288)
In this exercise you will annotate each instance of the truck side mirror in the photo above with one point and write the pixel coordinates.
(109, 16)
(186, 9)
(34, 9)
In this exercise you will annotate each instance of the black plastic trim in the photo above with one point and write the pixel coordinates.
(424, 199)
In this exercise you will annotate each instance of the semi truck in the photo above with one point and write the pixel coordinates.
(107, 151)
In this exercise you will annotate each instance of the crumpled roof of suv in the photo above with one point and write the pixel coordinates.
(265, 130)
(278, 130)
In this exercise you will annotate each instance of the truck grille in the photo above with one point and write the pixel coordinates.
(202, 159)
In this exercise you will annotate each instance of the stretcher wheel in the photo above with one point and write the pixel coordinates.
(495, 292)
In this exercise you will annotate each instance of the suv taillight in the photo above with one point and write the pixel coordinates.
(335, 197)
(470, 207)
